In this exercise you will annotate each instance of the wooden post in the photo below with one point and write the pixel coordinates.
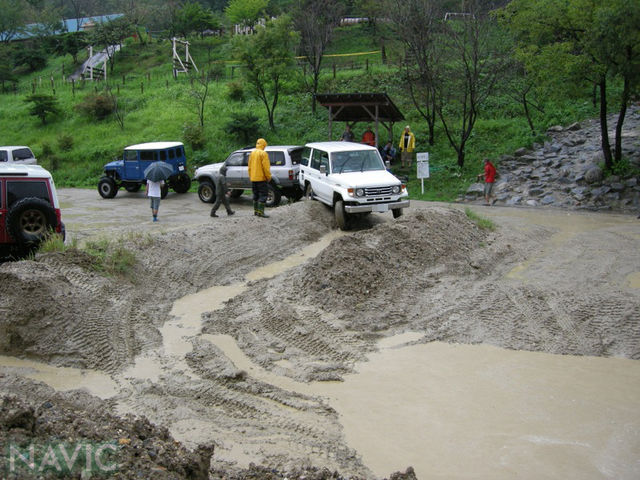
(118, 89)
(334, 70)
(73, 87)
(123, 77)
(142, 88)
(366, 65)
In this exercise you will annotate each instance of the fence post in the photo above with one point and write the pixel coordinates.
(142, 88)
(123, 77)
(73, 87)
(334, 70)
(118, 89)
(366, 67)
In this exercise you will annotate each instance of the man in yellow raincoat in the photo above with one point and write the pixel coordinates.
(260, 176)
(407, 144)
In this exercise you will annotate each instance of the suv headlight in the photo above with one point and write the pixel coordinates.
(359, 192)
(396, 189)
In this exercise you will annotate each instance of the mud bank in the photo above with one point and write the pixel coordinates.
(553, 283)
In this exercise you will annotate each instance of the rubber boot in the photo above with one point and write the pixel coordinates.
(255, 207)
(261, 211)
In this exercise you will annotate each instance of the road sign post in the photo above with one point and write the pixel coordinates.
(422, 164)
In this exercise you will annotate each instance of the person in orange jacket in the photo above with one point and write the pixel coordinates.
(260, 176)
(368, 137)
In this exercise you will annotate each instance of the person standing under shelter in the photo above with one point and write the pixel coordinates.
(347, 135)
(260, 176)
(221, 192)
(368, 137)
(489, 179)
(154, 192)
(407, 145)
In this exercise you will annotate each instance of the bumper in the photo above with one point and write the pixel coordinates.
(376, 207)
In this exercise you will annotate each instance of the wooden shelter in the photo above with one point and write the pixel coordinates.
(352, 108)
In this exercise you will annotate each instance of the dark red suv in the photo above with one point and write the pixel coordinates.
(29, 209)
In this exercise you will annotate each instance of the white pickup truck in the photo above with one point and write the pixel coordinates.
(351, 178)
(17, 155)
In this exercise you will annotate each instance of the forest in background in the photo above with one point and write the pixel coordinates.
(472, 81)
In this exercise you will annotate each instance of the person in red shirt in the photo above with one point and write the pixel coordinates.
(489, 179)
(368, 137)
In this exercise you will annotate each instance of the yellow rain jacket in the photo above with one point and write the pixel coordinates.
(412, 141)
(259, 166)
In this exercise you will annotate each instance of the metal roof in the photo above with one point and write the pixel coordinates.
(360, 107)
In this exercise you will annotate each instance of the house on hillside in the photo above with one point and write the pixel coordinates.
(69, 25)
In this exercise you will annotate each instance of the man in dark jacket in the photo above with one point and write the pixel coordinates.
(221, 192)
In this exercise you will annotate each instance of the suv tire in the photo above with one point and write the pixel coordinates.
(132, 187)
(308, 192)
(107, 187)
(341, 216)
(397, 213)
(30, 219)
(182, 183)
(274, 196)
(164, 190)
(207, 192)
(236, 193)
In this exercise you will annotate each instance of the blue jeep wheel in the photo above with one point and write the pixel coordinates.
(107, 187)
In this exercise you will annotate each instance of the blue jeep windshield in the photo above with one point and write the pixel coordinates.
(356, 161)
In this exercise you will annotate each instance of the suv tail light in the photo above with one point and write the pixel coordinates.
(290, 174)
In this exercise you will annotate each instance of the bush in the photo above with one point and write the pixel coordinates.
(235, 91)
(96, 106)
(194, 135)
(65, 143)
(244, 125)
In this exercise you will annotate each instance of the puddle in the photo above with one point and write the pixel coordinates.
(62, 378)
(449, 409)
(633, 280)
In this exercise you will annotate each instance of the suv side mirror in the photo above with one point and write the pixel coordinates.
(387, 164)
(323, 169)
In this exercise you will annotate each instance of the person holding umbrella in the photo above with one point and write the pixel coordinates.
(156, 174)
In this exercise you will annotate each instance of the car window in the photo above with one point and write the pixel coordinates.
(147, 155)
(296, 155)
(179, 152)
(21, 189)
(0, 194)
(235, 159)
(3, 155)
(318, 158)
(130, 155)
(306, 155)
(22, 154)
(355, 161)
(276, 158)
(172, 153)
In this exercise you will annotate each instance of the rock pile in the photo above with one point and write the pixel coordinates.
(567, 170)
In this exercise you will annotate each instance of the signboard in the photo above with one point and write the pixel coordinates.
(423, 164)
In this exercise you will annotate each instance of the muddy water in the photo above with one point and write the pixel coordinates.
(61, 378)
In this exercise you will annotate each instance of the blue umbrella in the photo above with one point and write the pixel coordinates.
(158, 171)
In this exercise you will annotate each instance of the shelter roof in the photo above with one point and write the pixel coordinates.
(360, 107)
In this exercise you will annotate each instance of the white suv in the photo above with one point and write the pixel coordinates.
(351, 178)
(17, 155)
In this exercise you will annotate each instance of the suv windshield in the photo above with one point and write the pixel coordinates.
(356, 161)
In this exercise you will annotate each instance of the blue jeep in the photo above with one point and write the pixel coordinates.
(129, 172)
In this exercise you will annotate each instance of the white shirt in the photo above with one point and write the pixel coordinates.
(154, 188)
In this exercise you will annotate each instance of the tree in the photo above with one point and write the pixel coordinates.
(193, 17)
(12, 19)
(109, 34)
(267, 57)
(418, 26)
(473, 61)
(42, 106)
(32, 55)
(594, 41)
(246, 12)
(71, 44)
(198, 94)
(315, 21)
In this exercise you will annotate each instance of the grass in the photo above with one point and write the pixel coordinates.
(158, 107)
(482, 223)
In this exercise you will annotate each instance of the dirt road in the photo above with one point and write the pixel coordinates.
(255, 335)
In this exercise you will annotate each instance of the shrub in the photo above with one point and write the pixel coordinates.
(194, 135)
(235, 91)
(65, 143)
(243, 124)
(96, 106)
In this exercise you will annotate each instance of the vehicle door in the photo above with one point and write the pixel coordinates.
(237, 170)
(3, 215)
(320, 181)
(132, 169)
(278, 168)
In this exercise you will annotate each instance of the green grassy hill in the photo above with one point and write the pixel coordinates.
(159, 107)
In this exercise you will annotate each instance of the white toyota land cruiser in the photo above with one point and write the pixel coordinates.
(351, 178)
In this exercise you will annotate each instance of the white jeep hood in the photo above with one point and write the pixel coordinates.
(376, 178)
(211, 169)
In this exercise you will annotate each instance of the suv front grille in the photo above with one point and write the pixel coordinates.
(375, 191)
